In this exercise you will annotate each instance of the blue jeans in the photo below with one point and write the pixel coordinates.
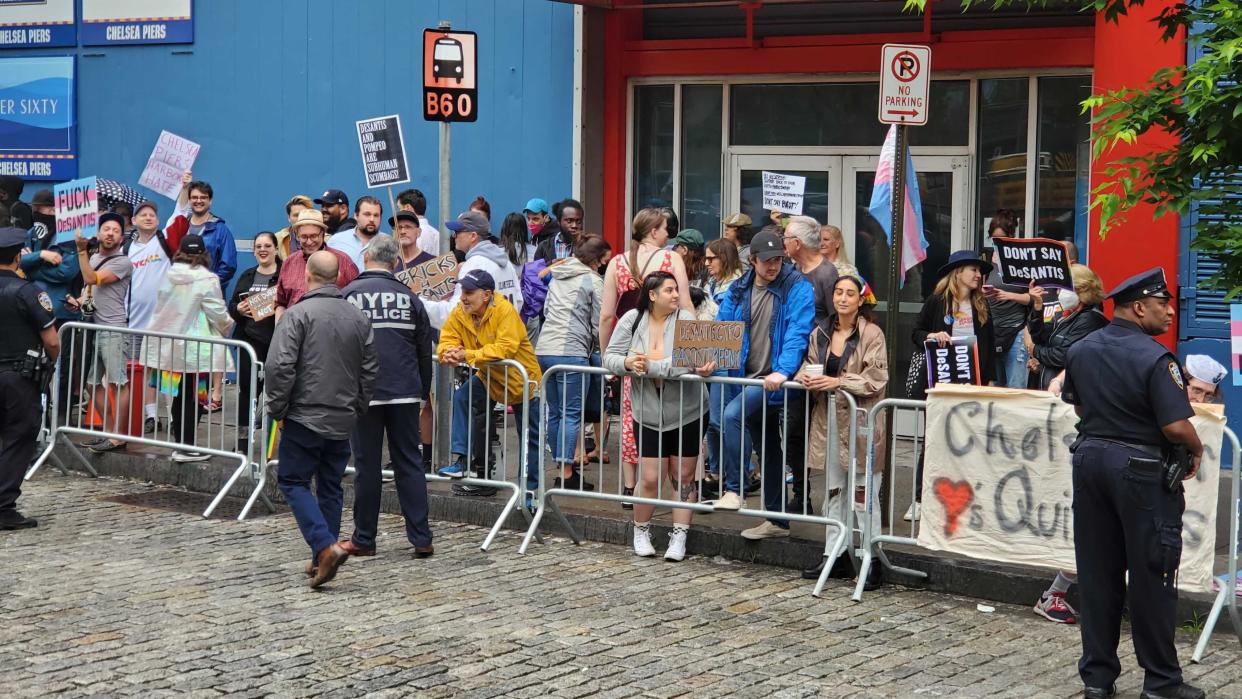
(1013, 363)
(714, 409)
(564, 392)
(743, 420)
(470, 406)
(305, 455)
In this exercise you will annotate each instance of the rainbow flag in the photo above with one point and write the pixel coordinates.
(913, 243)
(1235, 341)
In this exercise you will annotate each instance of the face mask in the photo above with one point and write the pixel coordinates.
(534, 228)
(43, 226)
(1067, 299)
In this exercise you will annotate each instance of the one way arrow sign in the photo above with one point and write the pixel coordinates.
(905, 72)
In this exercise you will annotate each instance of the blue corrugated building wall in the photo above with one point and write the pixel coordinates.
(272, 88)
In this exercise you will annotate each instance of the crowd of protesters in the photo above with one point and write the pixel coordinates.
(349, 350)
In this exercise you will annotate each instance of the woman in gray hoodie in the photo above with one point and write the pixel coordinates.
(667, 414)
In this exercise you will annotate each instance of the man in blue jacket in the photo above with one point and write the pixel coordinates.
(54, 268)
(777, 305)
(403, 343)
(215, 232)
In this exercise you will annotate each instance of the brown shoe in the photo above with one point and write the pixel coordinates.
(424, 551)
(310, 570)
(355, 550)
(330, 559)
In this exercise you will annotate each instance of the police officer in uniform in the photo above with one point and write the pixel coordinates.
(403, 343)
(1130, 395)
(28, 346)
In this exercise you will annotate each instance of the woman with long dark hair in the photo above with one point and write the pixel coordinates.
(667, 418)
(515, 239)
(622, 291)
(256, 333)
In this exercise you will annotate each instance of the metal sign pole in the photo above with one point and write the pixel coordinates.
(444, 376)
(893, 311)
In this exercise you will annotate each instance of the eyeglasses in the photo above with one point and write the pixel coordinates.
(709, 258)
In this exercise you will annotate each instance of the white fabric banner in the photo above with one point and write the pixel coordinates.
(997, 481)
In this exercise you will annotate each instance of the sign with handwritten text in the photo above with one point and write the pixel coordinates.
(76, 209)
(997, 481)
(263, 303)
(1040, 260)
(433, 278)
(169, 160)
(783, 193)
(697, 342)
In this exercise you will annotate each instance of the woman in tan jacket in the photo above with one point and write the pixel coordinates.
(846, 353)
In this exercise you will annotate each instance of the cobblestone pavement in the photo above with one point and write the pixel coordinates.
(106, 599)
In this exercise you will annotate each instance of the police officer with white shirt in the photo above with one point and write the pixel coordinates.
(403, 342)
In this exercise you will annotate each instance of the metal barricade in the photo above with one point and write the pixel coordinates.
(840, 522)
(875, 537)
(92, 355)
(1228, 593)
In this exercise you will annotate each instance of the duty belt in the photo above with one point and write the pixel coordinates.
(1149, 449)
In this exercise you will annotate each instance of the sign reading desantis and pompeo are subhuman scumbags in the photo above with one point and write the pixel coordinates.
(450, 75)
(43, 24)
(383, 151)
(957, 362)
(697, 342)
(38, 118)
(170, 159)
(118, 22)
(77, 209)
(997, 481)
(1040, 260)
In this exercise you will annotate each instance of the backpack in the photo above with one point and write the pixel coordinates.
(159, 235)
(534, 290)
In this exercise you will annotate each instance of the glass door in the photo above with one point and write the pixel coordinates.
(822, 198)
(943, 183)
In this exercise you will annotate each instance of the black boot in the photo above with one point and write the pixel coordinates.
(12, 519)
(1181, 691)
(842, 569)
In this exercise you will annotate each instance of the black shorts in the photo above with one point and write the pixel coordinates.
(685, 441)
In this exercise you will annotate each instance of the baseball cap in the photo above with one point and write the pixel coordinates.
(402, 216)
(766, 246)
(737, 221)
(112, 216)
(148, 204)
(477, 279)
(43, 197)
(333, 196)
(470, 222)
(690, 237)
(192, 245)
(536, 204)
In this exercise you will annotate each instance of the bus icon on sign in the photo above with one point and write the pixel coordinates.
(448, 60)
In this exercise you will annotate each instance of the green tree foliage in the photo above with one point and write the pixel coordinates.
(1200, 104)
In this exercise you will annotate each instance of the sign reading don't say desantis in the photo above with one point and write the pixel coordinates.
(450, 75)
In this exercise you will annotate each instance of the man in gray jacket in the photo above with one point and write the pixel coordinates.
(320, 375)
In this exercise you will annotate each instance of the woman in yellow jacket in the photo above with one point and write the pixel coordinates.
(486, 328)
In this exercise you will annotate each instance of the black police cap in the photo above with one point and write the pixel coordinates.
(12, 237)
(1149, 284)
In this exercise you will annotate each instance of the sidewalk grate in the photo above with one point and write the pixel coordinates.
(184, 502)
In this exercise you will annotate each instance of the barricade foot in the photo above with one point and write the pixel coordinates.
(504, 516)
(533, 529)
(830, 559)
(573, 534)
(44, 456)
(60, 465)
(863, 571)
(921, 575)
(258, 493)
(228, 485)
(77, 453)
(1210, 625)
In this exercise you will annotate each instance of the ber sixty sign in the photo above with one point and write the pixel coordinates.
(905, 73)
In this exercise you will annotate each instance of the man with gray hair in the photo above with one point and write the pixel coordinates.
(320, 374)
(403, 343)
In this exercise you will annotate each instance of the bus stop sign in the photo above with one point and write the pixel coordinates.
(905, 71)
(450, 75)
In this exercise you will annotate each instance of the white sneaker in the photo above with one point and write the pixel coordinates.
(912, 513)
(676, 545)
(642, 542)
(729, 501)
(185, 457)
(766, 530)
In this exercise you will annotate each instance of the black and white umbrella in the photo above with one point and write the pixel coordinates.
(110, 192)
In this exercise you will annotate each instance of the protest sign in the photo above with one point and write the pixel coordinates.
(697, 342)
(1039, 260)
(76, 208)
(383, 152)
(169, 160)
(433, 278)
(956, 362)
(783, 193)
(263, 303)
(998, 481)
(1235, 342)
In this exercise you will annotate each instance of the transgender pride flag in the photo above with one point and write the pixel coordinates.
(1235, 340)
(913, 244)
